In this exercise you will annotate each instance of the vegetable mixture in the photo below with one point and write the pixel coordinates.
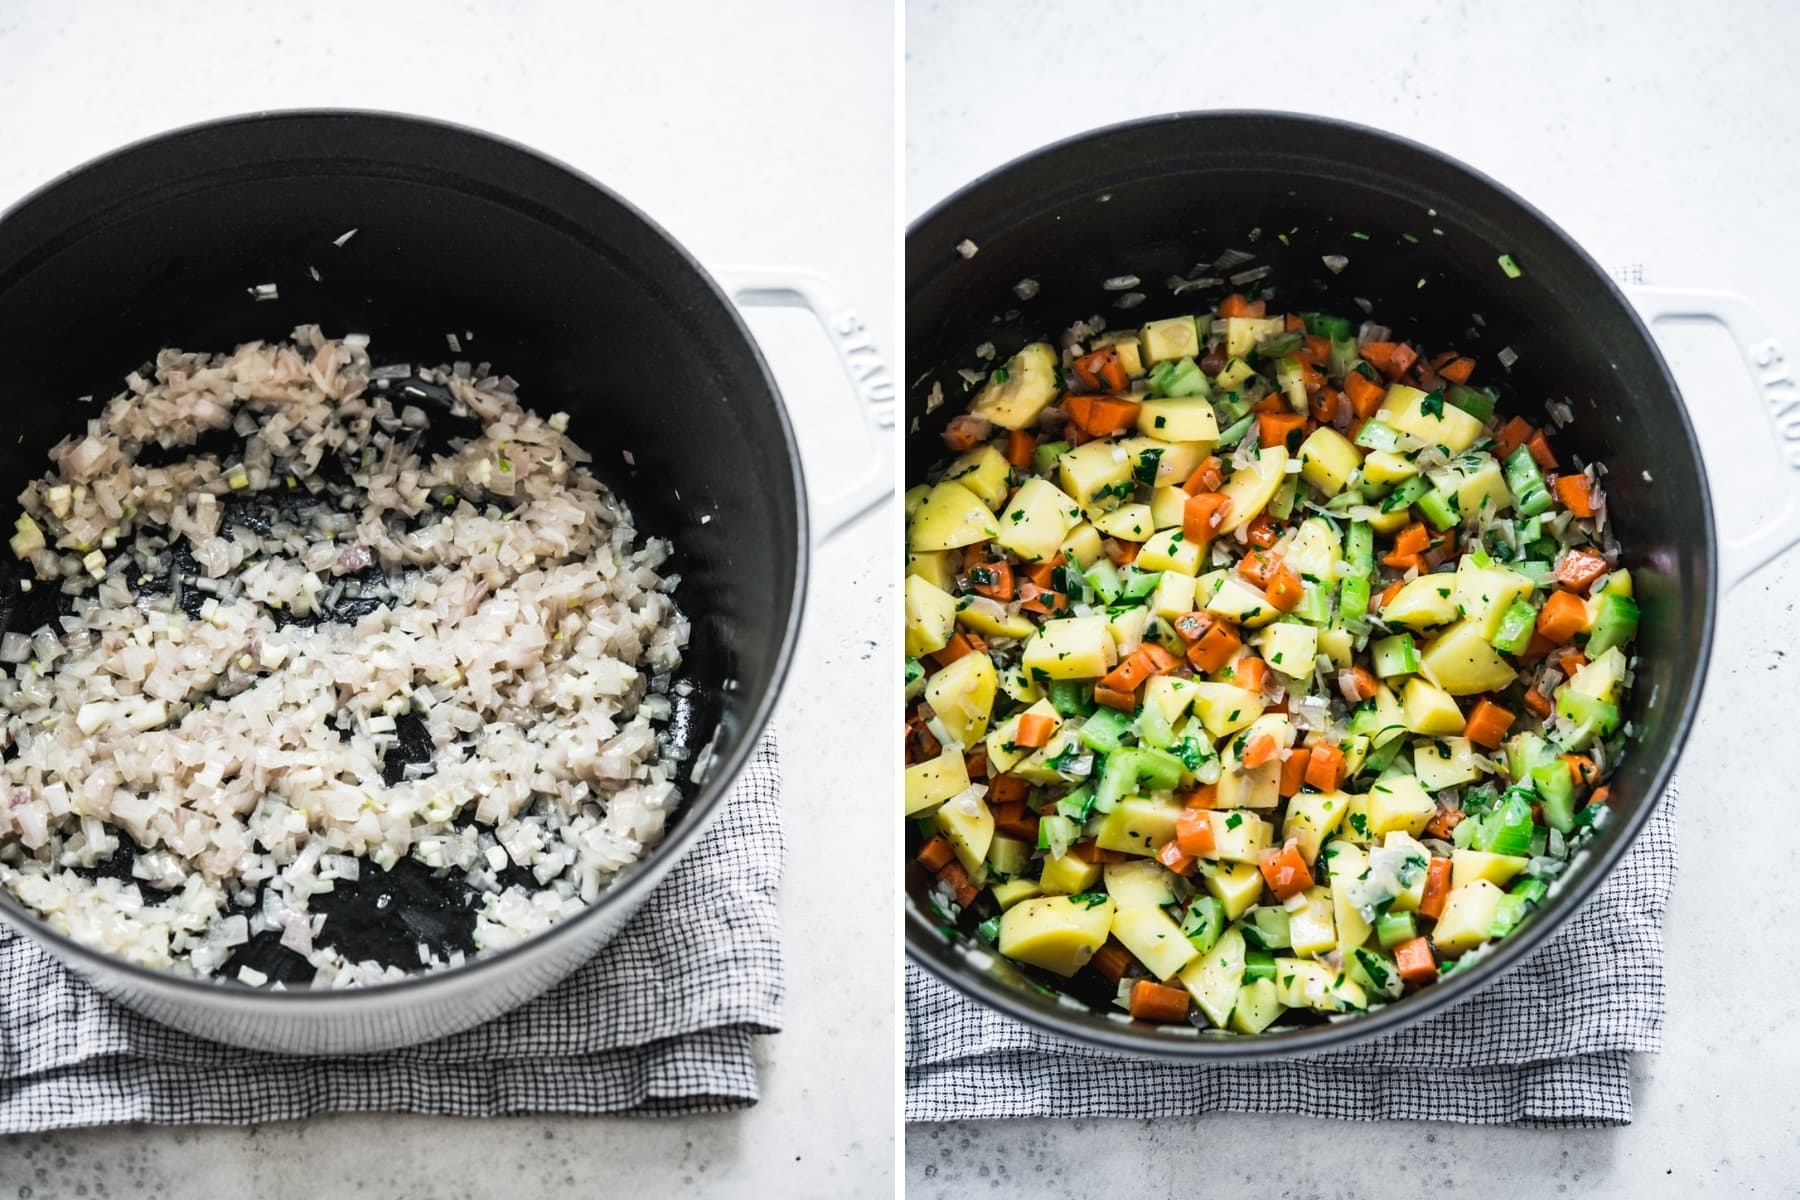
(1256, 668)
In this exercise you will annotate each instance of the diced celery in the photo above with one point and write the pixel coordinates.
(1508, 913)
(1439, 509)
(1043, 459)
(1359, 548)
(1395, 655)
(1392, 928)
(1071, 697)
(1271, 926)
(1155, 729)
(1258, 964)
(1234, 433)
(1507, 829)
(1517, 624)
(1378, 435)
(1615, 624)
(1203, 922)
(1406, 495)
(1555, 785)
(1353, 599)
(1476, 403)
(1585, 717)
(1531, 495)
(1104, 732)
(1103, 577)
(1327, 326)
(1136, 584)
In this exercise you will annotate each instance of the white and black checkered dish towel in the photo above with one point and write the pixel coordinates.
(1549, 1044)
(660, 1022)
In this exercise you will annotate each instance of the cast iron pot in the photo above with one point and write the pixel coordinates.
(563, 285)
(1153, 198)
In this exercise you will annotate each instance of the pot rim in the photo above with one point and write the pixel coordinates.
(697, 812)
(946, 961)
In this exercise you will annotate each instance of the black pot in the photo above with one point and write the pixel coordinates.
(1423, 235)
(565, 286)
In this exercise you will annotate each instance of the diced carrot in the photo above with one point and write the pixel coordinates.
(965, 433)
(1014, 820)
(1537, 702)
(1274, 402)
(955, 648)
(1103, 416)
(1203, 514)
(1409, 543)
(1259, 750)
(1004, 789)
(992, 579)
(1112, 961)
(1042, 573)
(1206, 477)
(1284, 590)
(1215, 647)
(1276, 428)
(1293, 323)
(953, 874)
(1194, 832)
(1153, 1001)
(1488, 723)
(1540, 451)
(1034, 730)
(1538, 647)
(1392, 359)
(1437, 888)
(1581, 769)
(1311, 379)
(1458, 370)
(1171, 857)
(1285, 870)
(1293, 771)
(1403, 358)
(1123, 701)
(933, 855)
(1325, 767)
(1045, 602)
(1443, 823)
(975, 762)
(1602, 795)
(1263, 532)
(1090, 852)
(1324, 406)
(1090, 369)
(1258, 566)
(1357, 684)
(1161, 661)
(1250, 673)
(1129, 675)
(1415, 962)
(1515, 433)
(1020, 446)
(1563, 616)
(1567, 659)
(1365, 394)
(1574, 493)
(1204, 796)
(1315, 350)
(1121, 553)
(1578, 570)
(1191, 625)
(1389, 592)
(1239, 305)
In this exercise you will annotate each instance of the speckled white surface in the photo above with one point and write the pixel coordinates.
(757, 138)
(1658, 133)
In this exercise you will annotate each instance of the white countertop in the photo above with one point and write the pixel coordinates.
(1654, 133)
(756, 138)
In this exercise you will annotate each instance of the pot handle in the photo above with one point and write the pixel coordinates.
(1741, 557)
(871, 383)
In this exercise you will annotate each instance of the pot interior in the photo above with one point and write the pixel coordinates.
(1422, 236)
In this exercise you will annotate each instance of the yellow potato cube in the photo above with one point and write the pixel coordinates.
(1338, 645)
(1467, 919)
(962, 696)
(930, 783)
(1311, 818)
(1328, 460)
(1462, 662)
(1166, 341)
(1068, 876)
(990, 619)
(1315, 550)
(1127, 629)
(1399, 802)
(1174, 595)
(1003, 752)
(950, 516)
(1346, 864)
(1446, 764)
(1466, 866)
(1082, 546)
(1153, 939)
(1258, 1007)
(1056, 933)
(1289, 647)
(1430, 710)
(1128, 523)
(1243, 333)
(969, 825)
(1225, 708)
(1179, 419)
(1215, 980)
(1139, 825)
(1163, 461)
(1009, 892)
(1251, 488)
(1426, 601)
(1170, 550)
(1039, 768)
(1485, 593)
(1070, 648)
(1027, 389)
(1312, 928)
(1433, 422)
(1094, 474)
(1038, 519)
(1139, 883)
(1237, 601)
(930, 617)
(984, 471)
(1385, 468)
(1239, 836)
(1237, 886)
(936, 567)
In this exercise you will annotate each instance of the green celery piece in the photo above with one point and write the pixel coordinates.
(1531, 495)
(1137, 584)
(1271, 925)
(1533, 889)
(1615, 624)
(1585, 718)
(1374, 971)
(1507, 830)
(1517, 624)
(1359, 548)
(1525, 750)
(1154, 729)
(1056, 833)
(1382, 757)
(1327, 326)
(1234, 433)
(1406, 495)
(1258, 964)
(1158, 770)
(1392, 928)
(1476, 403)
(1315, 604)
(1078, 805)
(1185, 378)
(1104, 732)
(1117, 779)
(1394, 655)
(915, 677)
(1203, 922)
(1555, 785)
(1280, 344)
(1103, 577)
(1439, 509)
(1378, 435)
(1507, 914)
(1043, 459)
(1070, 698)
(1353, 599)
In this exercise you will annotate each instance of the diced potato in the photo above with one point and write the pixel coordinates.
(1356, 752)
(1346, 864)
(1445, 764)
(950, 516)
(1237, 886)
(1093, 473)
(1385, 468)
(990, 619)
(1289, 647)
(1139, 825)
(969, 825)
(1390, 717)
(1258, 1007)
(930, 617)
(1311, 818)
(1604, 678)
(1009, 892)
(1056, 933)
(1128, 522)
(1328, 460)
(1356, 820)
(1020, 686)
(1429, 709)
(1168, 506)
(930, 783)
(1179, 419)
(1215, 980)
(1166, 341)
(1479, 486)
(1170, 550)
(1302, 983)
(1239, 836)
(1006, 856)
(1338, 645)
(1398, 802)
(1426, 601)
(1254, 787)
(984, 471)
(1409, 896)
(1038, 767)
(1070, 648)
(1389, 522)
(1170, 696)
(914, 499)
(1068, 876)
(1484, 593)
(1004, 753)
(1243, 333)
(1029, 387)
(962, 696)
(1468, 917)
(936, 567)
(1139, 883)
(1312, 928)
(1173, 460)
(1466, 866)
(1174, 595)
(1036, 522)
(1237, 601)
(1154, 939)
(1225, 708)
(1315, 550)
(1445, 425)
(1251, 488)
(1462, 662)
(1127, 628)
(1130, 348)
(1082, 546)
